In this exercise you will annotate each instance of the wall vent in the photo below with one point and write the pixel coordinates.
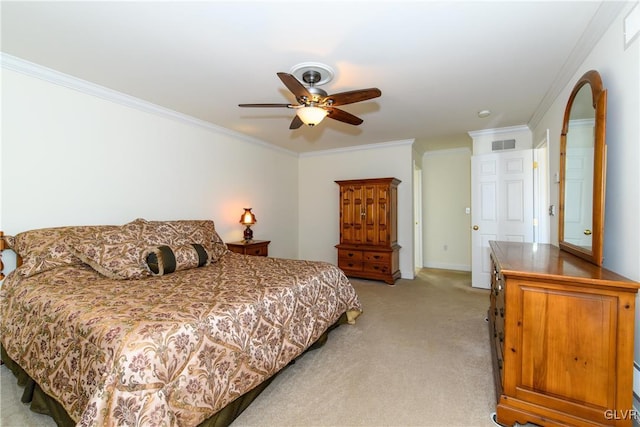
(505, 144)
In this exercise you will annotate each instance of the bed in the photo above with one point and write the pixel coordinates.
(157, 323)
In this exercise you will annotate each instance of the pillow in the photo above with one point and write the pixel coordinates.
(218, 247)
(185, 232)
(45, 249)
(166, 259)
(116, 253)
(10, 241)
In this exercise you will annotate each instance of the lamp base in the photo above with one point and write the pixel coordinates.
(248, 233)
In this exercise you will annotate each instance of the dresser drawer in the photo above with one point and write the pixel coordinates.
(368, 262)
(374, 267)
(350, 255)
(250, 247)
(349, 265)
(373, 257)
(258, 250)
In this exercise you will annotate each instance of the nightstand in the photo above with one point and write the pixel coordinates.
(250, 247)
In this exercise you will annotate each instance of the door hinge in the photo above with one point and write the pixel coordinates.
(535, 165)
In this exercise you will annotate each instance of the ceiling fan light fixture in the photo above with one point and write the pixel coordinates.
(311, 116)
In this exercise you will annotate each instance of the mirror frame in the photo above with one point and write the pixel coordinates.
(599, 101)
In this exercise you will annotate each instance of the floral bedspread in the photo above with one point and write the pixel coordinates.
(169, 350)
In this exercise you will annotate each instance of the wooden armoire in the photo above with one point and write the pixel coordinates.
(368, 229)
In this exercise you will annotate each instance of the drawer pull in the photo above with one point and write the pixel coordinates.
(350, 254)
(501, 311)
(376, 256)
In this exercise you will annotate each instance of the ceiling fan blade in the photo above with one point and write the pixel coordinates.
(296, 122)
(295, 87)
(265, 105)
(352, 96)
(343, 116)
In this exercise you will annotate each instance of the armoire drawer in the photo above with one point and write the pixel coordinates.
(373, 257)
(349, 265)
(350, 255)
(376, 267)
(350, 260)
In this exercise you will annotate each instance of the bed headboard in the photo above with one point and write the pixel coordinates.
(3, 246)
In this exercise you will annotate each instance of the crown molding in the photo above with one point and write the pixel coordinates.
(31, 69)
(447, 151)
(499, 131)
(374, 146)
(599, 24)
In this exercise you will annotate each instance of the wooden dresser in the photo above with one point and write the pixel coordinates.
(368, 229)
(562, 333)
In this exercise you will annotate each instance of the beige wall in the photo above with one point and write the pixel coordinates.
(70, 157)
(319, 196)
(73, 158)
(446, 183)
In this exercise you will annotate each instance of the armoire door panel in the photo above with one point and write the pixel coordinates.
(371, 215)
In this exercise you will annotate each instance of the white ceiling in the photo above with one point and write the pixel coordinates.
(436, 63)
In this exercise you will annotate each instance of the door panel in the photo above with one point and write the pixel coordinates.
(501, 204)
(579, 195)
(351, 228)
(370, 217)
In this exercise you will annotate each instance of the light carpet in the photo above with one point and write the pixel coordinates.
(419, 355)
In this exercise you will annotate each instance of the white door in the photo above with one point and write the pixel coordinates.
(578, 195)
(501, 206)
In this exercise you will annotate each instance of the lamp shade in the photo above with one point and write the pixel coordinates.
(248, 218)
(311, 116)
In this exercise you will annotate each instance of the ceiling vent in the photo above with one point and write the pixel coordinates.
(505, 144)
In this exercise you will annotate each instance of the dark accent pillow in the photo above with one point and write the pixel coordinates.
(166, 259)
(184, 232)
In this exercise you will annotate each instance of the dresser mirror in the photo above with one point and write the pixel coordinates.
(582, 170)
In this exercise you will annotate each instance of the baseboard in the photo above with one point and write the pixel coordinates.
(446, 266)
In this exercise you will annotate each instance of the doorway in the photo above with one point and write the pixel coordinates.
(541, 191)
(501, 206)
(417, 218)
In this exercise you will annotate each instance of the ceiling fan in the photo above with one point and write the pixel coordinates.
(314, 104)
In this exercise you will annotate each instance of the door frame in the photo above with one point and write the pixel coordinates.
(541, 192)
(417, 218)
